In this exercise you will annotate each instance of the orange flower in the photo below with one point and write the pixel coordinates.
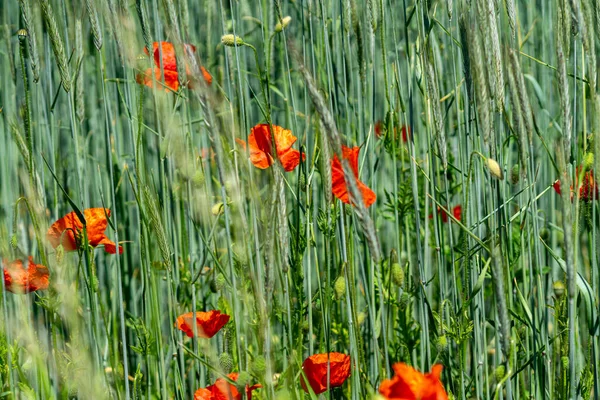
(261, 147)
(207, 323)
(68, 230)
(169, 66)
(410, 384)
(315, 368)
(17, 279)
(338, 183)
(223, 390)
(588, 188)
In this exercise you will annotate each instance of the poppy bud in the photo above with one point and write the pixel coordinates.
(283, 24)
(559, 288)
(232, 40)
(514, 174)
(339, 287)
(213, 286)
(545, 234)
(500, 372)
(226, 362)
(494, 168)
(397, 275)
(393, 256)
(259, 366)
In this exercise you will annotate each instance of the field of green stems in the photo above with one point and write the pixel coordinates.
(299, 199)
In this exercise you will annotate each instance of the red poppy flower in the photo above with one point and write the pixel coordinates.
(207, 323)
(315, 368)
(410, 384)
(169, 66)
(456, 211)
(17, 279)
(223, 390)
(260, 144)
(588, 188)
(68, 230)
(338, 182)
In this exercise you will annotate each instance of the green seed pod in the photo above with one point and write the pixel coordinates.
(393, 256)
(514, 174)
(213, 286)
(397, 275)
(220, 281)
(259, 366)
(499, 372)
(243, 379)
(232, 40)
(226, 362)
(339, 287)
(13, 241)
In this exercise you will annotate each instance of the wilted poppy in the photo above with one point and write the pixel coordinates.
(410, 384)
(68, 230)
(588, 189)
(261, 147)
(338, 182)
(207, 323)
(456, 211)
(315, 368)
(223, 390)
(18, 279)
(169, 66)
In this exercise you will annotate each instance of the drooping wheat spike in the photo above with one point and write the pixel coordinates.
(518, 124)
(478, 69)
(58, 46)
(184, 13)
(282, 222)
(496, 57)
(79, 99)
(156, 226)
(113, 15)
(564, 23)
(173, 25)
(434, 99)
(325, 156)
(511, 12)
(485, 35)
(449, 6)
(95, 23)
(31, 39)
(142, 12)
(334, 138)
(563, 86)
(589, 43)
(500, 296)
(524, 104)
(464, 43)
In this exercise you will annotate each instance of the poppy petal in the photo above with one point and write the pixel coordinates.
(338, 180)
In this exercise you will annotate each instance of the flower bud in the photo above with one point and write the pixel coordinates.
(259, 366)
(442, 343)
(494, 168)
(283, 24)
(559, 288)
(217, 209)
(232, 40)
